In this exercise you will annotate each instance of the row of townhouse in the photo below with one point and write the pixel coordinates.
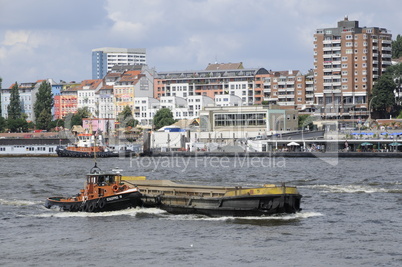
(182, 108)
(255, 86)
(105, 98)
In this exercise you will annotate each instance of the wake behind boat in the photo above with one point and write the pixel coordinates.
(104, 191)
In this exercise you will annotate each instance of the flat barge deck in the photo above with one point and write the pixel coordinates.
(217, 200)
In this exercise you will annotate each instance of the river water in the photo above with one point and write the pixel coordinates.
(351, 215)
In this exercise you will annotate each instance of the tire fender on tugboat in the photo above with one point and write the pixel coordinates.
(115, 188)
(102, 203)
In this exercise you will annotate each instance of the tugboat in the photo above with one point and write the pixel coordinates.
(104, 191)
(86, 146)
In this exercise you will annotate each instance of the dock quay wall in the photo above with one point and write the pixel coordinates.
(281, 154)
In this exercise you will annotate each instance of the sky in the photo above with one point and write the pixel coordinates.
(41, 39)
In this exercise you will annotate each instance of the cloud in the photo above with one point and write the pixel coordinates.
(15, 38)
(53, 39)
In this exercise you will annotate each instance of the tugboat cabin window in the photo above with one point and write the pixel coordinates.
(92, 180)
(101, 179)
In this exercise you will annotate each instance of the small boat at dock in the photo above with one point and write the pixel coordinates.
(217, 200)
(104, 191)
(86, 146)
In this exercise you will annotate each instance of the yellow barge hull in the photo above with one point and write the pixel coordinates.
(217, 200)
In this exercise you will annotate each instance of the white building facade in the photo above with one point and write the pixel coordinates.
(103, 59)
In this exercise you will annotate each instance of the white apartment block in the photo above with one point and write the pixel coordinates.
(103, 59)
(228, 100)
(106, 106)
(87, 97)
(145, 109)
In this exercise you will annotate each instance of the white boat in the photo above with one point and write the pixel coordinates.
(27, 150)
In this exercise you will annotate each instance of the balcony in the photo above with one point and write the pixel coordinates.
(331, 91)
(386, 41)
(386, 48)
(287, 103)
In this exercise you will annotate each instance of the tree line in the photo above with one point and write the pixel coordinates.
(42, 109)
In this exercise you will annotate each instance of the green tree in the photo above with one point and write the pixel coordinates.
(126, 118)
(397, 47)
(57, 123)
(76, 118)
(14, 108)
(43, 120)
(17, 125)
(396, 73)
(383, 97)
(3, 124)
(43, 106)
(305, 120)
(163, 117)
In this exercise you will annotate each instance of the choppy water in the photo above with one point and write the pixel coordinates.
(351, 216)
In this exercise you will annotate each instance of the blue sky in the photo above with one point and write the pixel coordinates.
(42, 39)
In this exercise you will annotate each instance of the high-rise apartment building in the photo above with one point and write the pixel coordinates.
(348, 60)
(103, 59)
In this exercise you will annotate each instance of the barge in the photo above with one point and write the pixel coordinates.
(217, 201)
